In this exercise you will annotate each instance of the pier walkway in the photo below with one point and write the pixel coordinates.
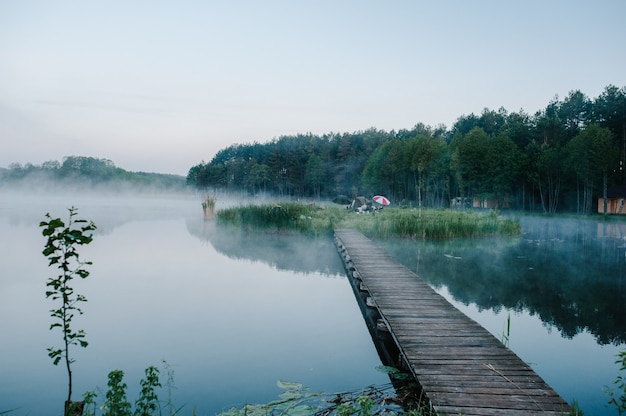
(462, 368)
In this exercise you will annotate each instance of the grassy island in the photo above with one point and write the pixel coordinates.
(385, 223)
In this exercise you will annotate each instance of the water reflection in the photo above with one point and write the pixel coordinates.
(235, 311)
(569, 272)
(230, 326)
(291, 252)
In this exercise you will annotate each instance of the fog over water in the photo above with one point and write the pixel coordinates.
(233, 311)
(166, 285)
(562, 283)
(569, 272)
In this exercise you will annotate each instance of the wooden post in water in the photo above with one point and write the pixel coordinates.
(208, 206)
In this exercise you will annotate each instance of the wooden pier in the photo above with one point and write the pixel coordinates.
(461, 367)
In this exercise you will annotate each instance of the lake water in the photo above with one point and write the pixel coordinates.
(232, 313)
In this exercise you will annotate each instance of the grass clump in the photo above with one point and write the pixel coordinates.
(304, 218)
(618, 396)
(390, 222)
(438, 224)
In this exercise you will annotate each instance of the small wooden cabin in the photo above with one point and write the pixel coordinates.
(615, 201)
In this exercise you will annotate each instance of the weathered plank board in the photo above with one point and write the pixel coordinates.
(463, 369)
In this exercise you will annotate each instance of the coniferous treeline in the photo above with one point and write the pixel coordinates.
(85, 172)
(561, 158)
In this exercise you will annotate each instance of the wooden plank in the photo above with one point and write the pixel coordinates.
(462, 368)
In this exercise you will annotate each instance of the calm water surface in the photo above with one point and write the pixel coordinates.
(231, 313)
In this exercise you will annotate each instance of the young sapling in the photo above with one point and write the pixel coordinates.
(61, 249)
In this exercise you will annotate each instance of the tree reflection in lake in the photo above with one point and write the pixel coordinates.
(563, 274)
(293, 252)
(569, 272)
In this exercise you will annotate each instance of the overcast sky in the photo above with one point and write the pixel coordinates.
(162, 85)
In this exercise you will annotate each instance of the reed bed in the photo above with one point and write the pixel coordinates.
(390, 222)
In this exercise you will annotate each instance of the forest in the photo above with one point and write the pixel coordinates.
(561, 158)
(84, 172)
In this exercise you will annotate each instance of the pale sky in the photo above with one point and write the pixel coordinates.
(160, 86)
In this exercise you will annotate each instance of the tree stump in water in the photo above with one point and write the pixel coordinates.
(208, 206)
(74, 408)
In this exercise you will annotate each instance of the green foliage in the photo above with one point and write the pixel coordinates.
(89, 398)
(258, 178)
(297, 400)
(285, 216)
(390, 222)
(366, 404)
(363, 406)
(514, 160)
(82, 172)
(346, 409)
(148, 401)
(147, 404)
(316, 175)
(61, 248)
(116, 403)
(393, 372)
(590, 156)
(575, 409)
(472, 168)
(618, 397)
(432, 224)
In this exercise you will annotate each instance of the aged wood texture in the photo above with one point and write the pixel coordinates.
(463, 369)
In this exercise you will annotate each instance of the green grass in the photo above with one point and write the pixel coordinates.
(389, 222)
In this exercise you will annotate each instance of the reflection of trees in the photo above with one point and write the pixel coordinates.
(571, 273)
(284, 251)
